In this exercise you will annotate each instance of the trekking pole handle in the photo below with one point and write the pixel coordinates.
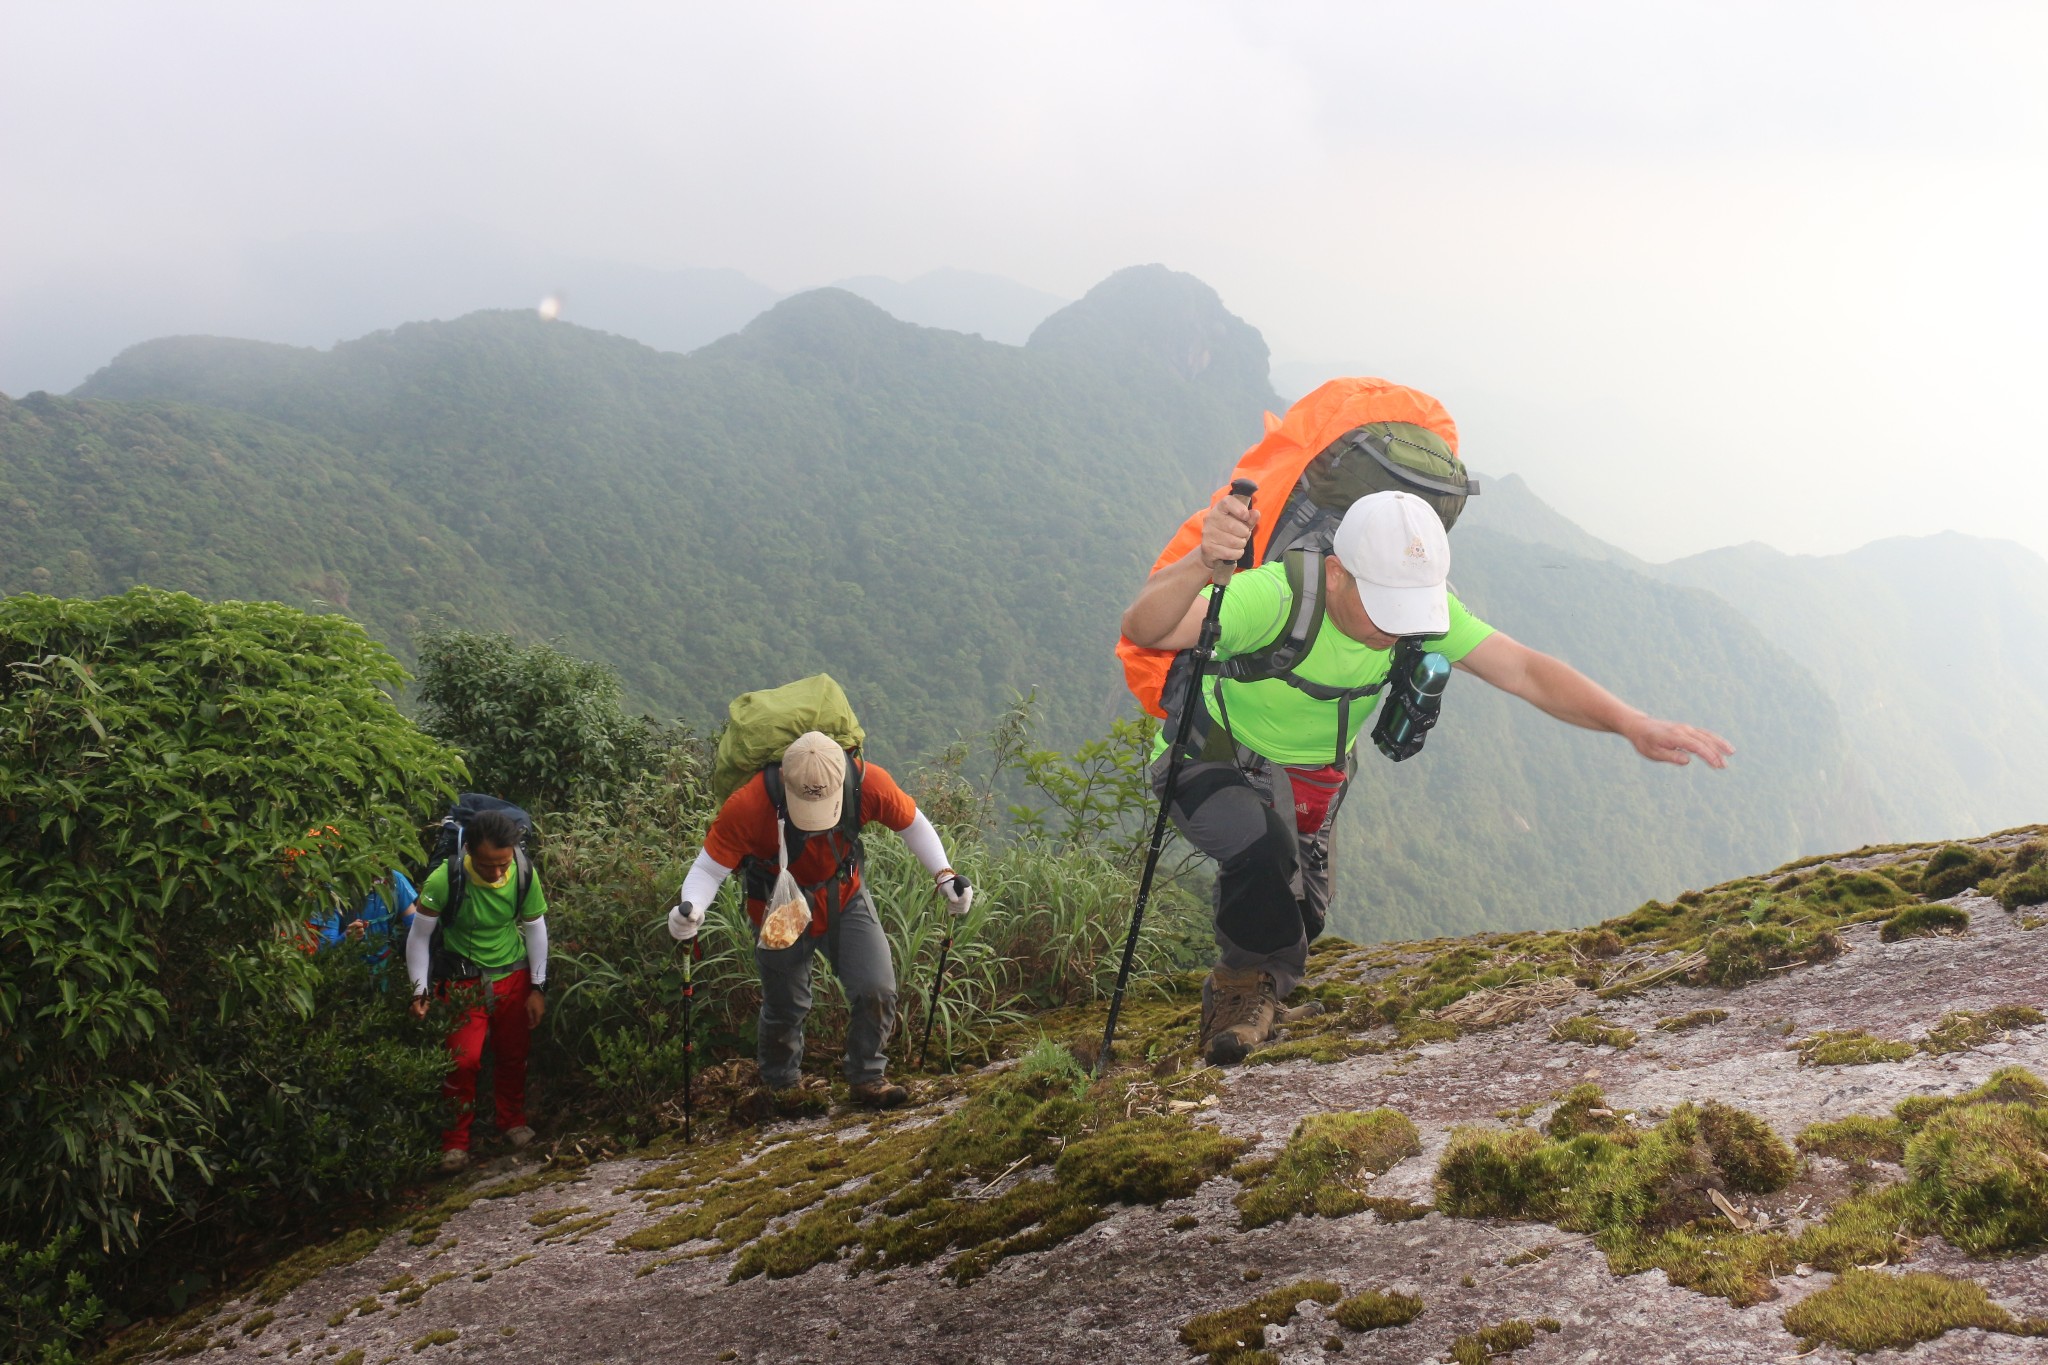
(1245, 488)
(1220, 574)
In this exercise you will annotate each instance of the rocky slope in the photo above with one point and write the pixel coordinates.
(989, 1222)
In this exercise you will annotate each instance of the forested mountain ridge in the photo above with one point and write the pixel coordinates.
(1934, 649)
(920, 510)
(938, 520)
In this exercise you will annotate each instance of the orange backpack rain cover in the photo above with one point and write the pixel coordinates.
(1275, 464)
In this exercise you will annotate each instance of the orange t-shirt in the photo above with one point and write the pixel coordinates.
(745, 828)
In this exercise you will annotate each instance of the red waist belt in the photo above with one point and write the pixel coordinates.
(1314, 790)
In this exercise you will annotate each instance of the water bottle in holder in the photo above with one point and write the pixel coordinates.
(1414, 699)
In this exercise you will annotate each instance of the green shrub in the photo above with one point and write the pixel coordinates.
(1918, 921)
(47, 1306)
(182, 784)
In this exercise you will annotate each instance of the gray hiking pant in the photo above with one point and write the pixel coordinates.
(1272, 892)
(858, 949)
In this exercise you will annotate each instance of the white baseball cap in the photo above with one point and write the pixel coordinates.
(1394, 544)
(814, 781)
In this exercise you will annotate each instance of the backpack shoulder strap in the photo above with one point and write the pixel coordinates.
(524, 867)
(1307, 588)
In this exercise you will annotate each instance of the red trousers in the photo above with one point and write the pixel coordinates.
(504, 1020)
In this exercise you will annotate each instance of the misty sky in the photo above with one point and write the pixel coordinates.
(1704, 273)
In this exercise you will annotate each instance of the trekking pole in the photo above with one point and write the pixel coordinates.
(689, 1033)
(931, 999)
(1205, 649)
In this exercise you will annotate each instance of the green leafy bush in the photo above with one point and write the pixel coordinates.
(181, 784)
(538, 727)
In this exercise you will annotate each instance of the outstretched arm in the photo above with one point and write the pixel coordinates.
(1556, 688)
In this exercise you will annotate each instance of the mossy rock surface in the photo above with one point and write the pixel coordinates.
(1324, 1166)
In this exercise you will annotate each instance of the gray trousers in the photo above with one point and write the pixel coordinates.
(858, 949)
(1272, 885)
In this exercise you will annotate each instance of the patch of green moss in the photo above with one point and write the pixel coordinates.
(257, 1322)
(918, 1193)
(1872, 1228)
(549, 1217)
(436, 1338)
(1593, 1031)
(1866, 1310)
(2007, 1085)
(1375, 1309)
(427, 1226)
(1961, 1030)
(1584, 1109)
(2026, 887)
(1319, 1048)
(1920, 921)
(1223, 1335)
(1643, 1195)
(1679, 1023)
(1501, 1339)
(302, 1266)
(1858, 1138)
(1954, 868)
(1849, 1047)
(1982, 1170)
(1750, 952)
(354, 1357)
(1323, 1165)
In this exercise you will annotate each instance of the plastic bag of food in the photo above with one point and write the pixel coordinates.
(789, 910)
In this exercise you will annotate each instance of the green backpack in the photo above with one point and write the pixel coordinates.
(1379, 457)
(761, 725)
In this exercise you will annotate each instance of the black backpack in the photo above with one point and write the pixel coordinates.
(443, 962)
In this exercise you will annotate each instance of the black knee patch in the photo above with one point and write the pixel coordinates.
(1256, 907)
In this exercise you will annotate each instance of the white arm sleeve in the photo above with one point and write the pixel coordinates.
(416, 945)
(535, 932)
(923, 840)
(707, 874)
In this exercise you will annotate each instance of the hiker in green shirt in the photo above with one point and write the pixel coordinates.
(1386, 578)
(497, 942)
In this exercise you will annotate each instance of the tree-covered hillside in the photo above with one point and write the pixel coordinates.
(938, 520)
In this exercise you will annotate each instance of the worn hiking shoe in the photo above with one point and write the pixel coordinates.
(520, 1136)
(453, 1160)
(880, 1094)
(1238, 1013)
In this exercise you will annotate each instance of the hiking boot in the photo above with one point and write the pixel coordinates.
(453, 1160)
(520, 1136)
(1310, 1010)
(880, 1095)
(1238, 1014)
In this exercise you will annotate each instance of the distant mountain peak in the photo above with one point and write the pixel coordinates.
(1170, 317)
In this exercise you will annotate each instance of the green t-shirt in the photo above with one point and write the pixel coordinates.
(1285, 724)
(483, 930)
